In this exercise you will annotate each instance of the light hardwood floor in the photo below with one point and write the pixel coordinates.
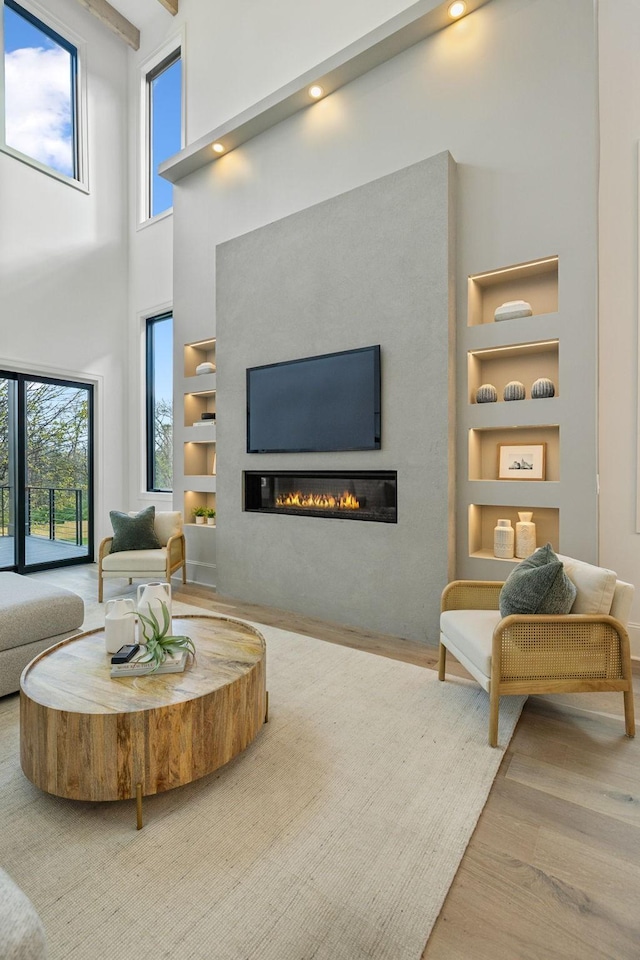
(553, 869)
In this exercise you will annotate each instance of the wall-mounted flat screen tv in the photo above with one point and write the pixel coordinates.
(325, 403)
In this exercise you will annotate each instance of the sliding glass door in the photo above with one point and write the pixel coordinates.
(8, 411)
(46, 482)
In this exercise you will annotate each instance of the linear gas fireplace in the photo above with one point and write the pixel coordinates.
(346, 495)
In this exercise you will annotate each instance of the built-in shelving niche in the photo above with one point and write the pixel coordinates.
(199, 453)
(199, 459)
(525, 362)
(484, 447)
(196, 403)
(196, 498)
(536, 282)
(202, 351)
(483, 519)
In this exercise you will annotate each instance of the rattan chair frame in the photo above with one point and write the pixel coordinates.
(176, 558)
(572, 653)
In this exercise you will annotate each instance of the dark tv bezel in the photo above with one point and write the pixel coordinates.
(377, 441)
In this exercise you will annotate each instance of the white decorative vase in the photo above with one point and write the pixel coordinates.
(512, 309)
(119, 624)
(211, 521)
(151, 596)
(503, 537)
(205, 367)
(525, 536)
(200, 519)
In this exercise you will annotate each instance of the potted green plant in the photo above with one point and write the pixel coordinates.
(211, 517)
(200, 514)
(157, 640)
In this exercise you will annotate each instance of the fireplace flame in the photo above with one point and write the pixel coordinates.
(319, 501)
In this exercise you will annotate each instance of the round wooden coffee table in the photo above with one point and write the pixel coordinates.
(86, 736)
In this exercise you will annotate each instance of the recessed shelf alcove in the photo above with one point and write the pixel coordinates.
(202, 351)
(483, 519)
(536, 282)
(484, 444)
(525, 362)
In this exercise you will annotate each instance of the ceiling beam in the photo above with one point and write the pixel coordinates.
(114, 20)
(171, 6)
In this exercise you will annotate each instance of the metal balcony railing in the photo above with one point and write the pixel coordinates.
(55, 513)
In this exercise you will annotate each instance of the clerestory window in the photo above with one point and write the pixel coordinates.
(40, 94)
(164, 127)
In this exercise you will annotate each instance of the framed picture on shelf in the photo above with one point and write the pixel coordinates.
(521, 461)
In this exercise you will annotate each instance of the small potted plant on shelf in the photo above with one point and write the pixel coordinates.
(211, 517)
(158, 643)
(200, 514)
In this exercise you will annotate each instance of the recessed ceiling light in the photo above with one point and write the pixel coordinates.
(315, 91)
(218, 148)
(457, 9)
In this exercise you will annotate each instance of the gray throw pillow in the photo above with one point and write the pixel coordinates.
(134, 533)
(538, 585)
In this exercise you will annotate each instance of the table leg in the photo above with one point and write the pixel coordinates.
(138, 806)
(266, 707)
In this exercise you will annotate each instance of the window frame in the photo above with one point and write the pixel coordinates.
(149, 69)
(75, 45)
(150, 400)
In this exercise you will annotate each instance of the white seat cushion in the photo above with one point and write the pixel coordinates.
(132, 560)
(595, 586)
(472, 633)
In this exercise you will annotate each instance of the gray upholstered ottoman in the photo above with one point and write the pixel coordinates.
(21, 933)
(33, 616)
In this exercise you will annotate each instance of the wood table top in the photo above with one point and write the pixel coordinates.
(74, 675)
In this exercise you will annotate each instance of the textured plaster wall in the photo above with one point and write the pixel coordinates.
(369, 266)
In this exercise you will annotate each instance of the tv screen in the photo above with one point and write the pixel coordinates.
(331, 402)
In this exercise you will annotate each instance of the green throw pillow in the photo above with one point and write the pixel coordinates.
(538, 585)
(134, 533)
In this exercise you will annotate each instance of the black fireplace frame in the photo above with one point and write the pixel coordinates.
(252, 493)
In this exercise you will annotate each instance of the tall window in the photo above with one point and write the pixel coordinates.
(159, 348)
(40, 92)
(164, 99)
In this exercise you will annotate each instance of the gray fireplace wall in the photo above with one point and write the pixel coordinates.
(373, 265)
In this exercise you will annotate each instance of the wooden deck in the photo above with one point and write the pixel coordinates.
(40, 550)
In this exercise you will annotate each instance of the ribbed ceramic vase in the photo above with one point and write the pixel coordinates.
(541, 388)
(503, 540)
(486, 393)
(525, 536)
(514, 390)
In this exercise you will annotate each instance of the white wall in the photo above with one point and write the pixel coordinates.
(619, 42)
(63, 259)
(234, 55)
(519, 119)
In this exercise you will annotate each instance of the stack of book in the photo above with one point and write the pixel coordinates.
(137, 668)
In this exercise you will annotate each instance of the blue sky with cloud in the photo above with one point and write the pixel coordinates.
(38, 85)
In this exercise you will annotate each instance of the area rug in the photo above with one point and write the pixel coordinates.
(335, 836)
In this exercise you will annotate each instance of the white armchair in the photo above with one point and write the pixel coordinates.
(153, 564)
(586, 650)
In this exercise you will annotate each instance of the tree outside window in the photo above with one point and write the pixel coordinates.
(159, 347)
